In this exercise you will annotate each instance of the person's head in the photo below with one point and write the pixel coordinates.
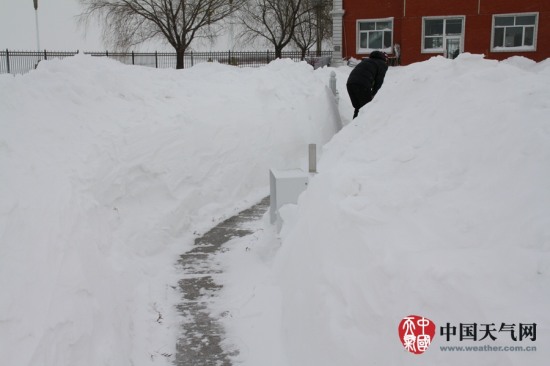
(379, 55)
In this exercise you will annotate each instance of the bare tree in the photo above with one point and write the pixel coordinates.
(323, 16)
(127, 23)
(272, 20)
(305, 34)
(315, 25)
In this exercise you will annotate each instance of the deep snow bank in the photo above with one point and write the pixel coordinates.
(106, 170)
(435, 202)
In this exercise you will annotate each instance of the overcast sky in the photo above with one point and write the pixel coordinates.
(58, 28)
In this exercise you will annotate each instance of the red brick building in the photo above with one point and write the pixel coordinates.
(424, 28)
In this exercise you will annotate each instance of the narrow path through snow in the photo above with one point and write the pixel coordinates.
(202, 334)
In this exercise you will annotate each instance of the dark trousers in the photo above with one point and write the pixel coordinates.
(359, 95)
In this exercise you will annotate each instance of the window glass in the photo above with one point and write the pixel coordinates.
(366, 26)
(363, 40)
(498, 40)
(433, 42)
(383, 25)
(375, 34)
(453, 26)
(513, 36)
(387, 39)
(433, 27)
(437, 33)
(525, 20)
(510, 31)
(529, 36)
(375, 40)
(502, 21)
(453, 47)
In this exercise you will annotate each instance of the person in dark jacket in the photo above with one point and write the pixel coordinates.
(365, 79)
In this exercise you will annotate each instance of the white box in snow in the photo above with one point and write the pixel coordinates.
(285, 187)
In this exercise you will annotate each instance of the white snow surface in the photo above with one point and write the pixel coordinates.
(434, 201)
(107, 171)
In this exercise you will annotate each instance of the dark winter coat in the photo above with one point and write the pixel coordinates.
(370, 73)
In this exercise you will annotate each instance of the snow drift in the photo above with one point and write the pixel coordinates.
(107, 170)
(434, 201)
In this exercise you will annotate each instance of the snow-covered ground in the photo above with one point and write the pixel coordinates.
(434, 201)
(108, 171)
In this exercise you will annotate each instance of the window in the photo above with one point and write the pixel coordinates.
(376, 34)
(514, 32)
(442, 34)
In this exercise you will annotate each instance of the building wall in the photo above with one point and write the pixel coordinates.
(408, 15)
(366, 9)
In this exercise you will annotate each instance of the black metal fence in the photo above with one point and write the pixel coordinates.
(19, 62)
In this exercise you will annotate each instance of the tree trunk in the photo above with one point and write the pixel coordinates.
(179, 58)
(303, 53)
(278, 52)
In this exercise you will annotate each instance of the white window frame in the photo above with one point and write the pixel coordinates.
(444, 36)
(532, 48)
(388, 50)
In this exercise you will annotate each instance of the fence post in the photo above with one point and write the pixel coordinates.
(229, 62)
(8, 60)
(312, 158)
(267, 57)
(156, 60)
(192, 61)
(133, 58)
(45, 55)
(332, 83)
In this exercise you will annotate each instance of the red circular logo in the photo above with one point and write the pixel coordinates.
(416, 333)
